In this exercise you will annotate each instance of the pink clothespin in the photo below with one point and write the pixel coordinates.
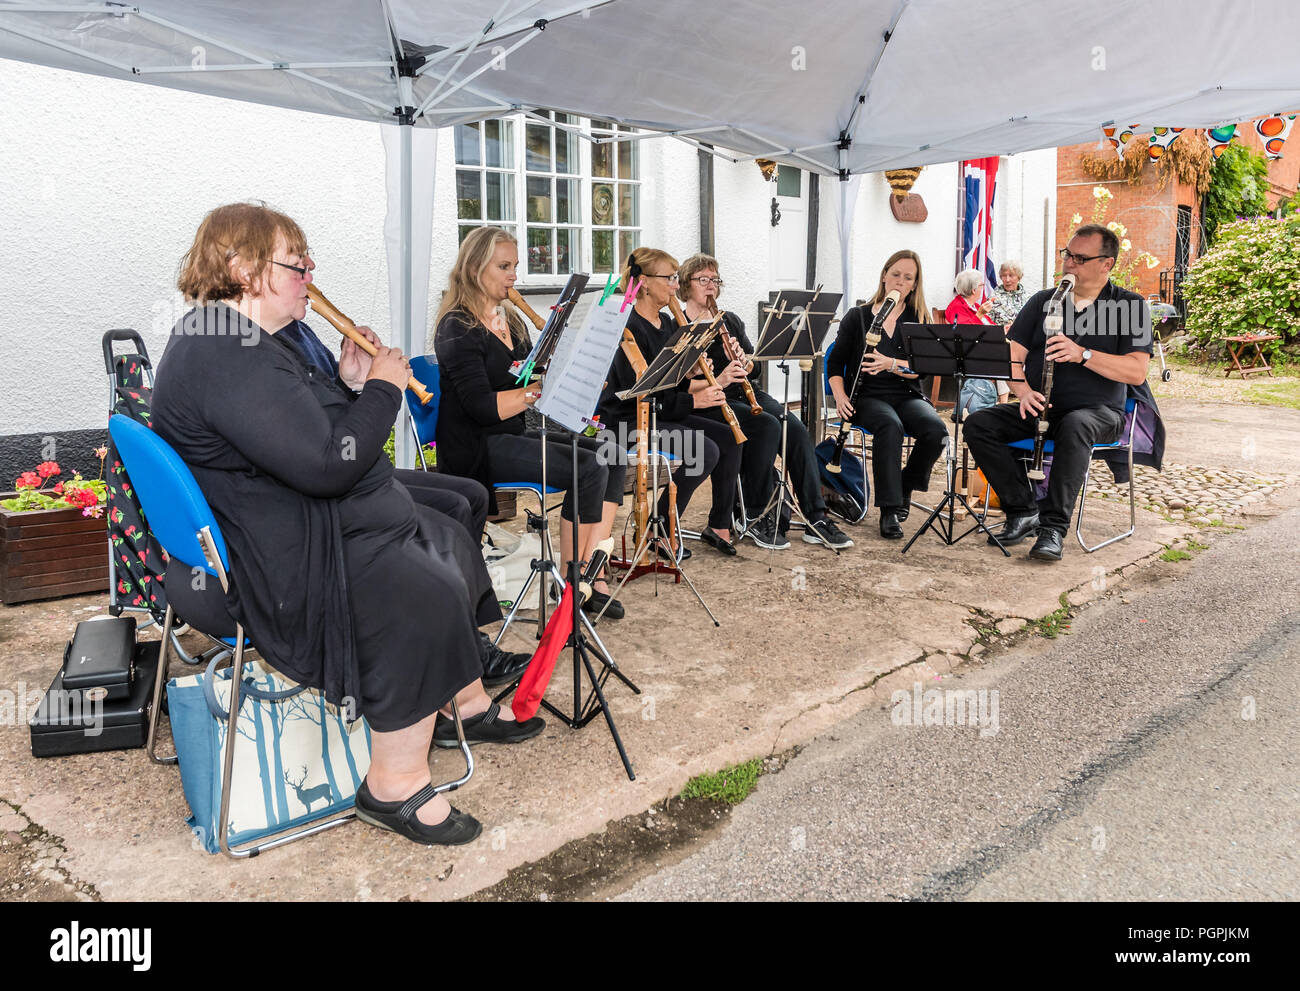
(630, 295)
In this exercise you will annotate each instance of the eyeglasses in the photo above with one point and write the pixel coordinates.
(302, 272)
(1068, 255)
(706, 280)
(671, 278)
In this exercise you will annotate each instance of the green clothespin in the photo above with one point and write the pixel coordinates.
(610, 285)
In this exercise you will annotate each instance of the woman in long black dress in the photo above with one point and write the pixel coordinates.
(481, 429)
(890, 403)
(690, 420)
(341, 581)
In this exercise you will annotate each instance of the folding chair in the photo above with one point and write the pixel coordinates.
(185, 526)
(423, 420)
(1125, 443)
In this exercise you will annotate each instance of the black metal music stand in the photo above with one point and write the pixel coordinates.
(796, 322)
(960, 350)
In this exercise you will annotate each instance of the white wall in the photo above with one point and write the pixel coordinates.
(105, 183)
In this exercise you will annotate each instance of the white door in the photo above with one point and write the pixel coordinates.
(788, 255)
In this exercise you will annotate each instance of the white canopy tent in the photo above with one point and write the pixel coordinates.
(840, 87)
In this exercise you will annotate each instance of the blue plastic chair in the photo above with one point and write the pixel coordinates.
(424, 428)
(182, 520)
(1125, 443)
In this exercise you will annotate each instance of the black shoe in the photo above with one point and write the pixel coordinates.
(825, 532)
(1048, 545)
(596, 602)
(763, 533)
(905, 510)
(889, 528)
(486, 728)
(666, 553)
(717, 543)
(500, 667)
(399, 817)
(1016, 529)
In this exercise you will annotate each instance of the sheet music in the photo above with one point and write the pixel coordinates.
(572, 392)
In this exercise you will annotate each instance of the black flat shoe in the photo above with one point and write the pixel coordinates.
(596, 602)
(399, 817)
(1048, 545)
(486, 727)
(717, 543)
(905, 510)
(500, 667)
(1016, 529)
(889, 528)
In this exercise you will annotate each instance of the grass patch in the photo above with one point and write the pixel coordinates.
(731, 785)
(1196, 545)
(1285, 394)
(1056, 622)
(1174, 555)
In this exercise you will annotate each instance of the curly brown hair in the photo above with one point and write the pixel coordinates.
(243, 231)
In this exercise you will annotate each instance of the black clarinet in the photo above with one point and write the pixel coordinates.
(1052, 326)
(869, 342)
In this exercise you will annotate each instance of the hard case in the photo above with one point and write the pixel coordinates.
(66, 723)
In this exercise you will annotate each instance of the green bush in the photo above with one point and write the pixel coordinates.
(1248, 283)
(1238, 188)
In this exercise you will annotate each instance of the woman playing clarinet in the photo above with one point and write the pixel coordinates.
(889, 403)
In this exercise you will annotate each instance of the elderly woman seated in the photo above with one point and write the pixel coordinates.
(343, 583)
(1011, 295)
(967, 308)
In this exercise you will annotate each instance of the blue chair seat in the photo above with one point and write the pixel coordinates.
(533, 486)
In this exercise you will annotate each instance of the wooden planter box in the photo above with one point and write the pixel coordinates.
(51, 552)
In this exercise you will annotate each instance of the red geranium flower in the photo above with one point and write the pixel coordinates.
(28, 480)
(58, 489)
(47, 468)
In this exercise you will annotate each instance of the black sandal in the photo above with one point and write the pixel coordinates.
(399, 817)
(486, 727)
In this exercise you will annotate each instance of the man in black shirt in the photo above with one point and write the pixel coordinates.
(1104, 348)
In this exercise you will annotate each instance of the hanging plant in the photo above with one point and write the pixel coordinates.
(1188, 160)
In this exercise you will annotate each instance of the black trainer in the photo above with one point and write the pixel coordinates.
(828, 533)
(763, 532)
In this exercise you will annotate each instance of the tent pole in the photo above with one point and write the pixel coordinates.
(404, 451)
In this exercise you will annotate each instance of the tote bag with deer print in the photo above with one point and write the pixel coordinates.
(296, 758)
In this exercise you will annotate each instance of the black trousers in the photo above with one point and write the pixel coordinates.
(707, 448)
(1073, 433)
(601, 468)
(888, 420)
(757, 471)
(463, 499)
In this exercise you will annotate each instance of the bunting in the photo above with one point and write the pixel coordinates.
(1273, 132)
(1161, 139)
(1220, 137)
(1119, 137)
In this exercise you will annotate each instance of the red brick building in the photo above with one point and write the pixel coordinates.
(1165, 222)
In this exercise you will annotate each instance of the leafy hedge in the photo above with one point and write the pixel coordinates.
(1247, 283)
(1238, 188)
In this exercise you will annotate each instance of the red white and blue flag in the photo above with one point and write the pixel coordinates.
(979, 177)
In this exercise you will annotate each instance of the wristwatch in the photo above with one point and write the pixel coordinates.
(1086, 356)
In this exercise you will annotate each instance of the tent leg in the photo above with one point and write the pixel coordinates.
(403, 449)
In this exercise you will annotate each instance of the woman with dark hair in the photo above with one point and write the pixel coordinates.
(690, 424)
(890, 401)
(481, 429)
(341, 581)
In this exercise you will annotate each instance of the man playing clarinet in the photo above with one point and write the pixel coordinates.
(1104, 347)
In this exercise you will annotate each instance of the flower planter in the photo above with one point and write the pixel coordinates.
(51, 552)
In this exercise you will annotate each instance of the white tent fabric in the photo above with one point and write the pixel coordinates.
(832, 85)
(840, 87)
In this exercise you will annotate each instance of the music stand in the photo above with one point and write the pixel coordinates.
(960, 350)
(544, 346)
(674, 362)
(796, 321)
(573, 379)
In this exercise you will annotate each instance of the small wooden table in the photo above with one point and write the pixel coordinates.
(1236, 345)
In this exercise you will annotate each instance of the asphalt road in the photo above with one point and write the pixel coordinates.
(1149, 754)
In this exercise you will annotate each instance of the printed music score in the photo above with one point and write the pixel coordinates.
(580, 366)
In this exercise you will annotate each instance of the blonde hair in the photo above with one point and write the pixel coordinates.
(465, 283)
(916, 298)
(246, 231)
(644, 257)
(690, 268)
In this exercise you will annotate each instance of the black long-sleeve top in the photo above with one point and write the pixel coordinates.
(290, 464)
(474, 365)
(847, 355)
(673, 405)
